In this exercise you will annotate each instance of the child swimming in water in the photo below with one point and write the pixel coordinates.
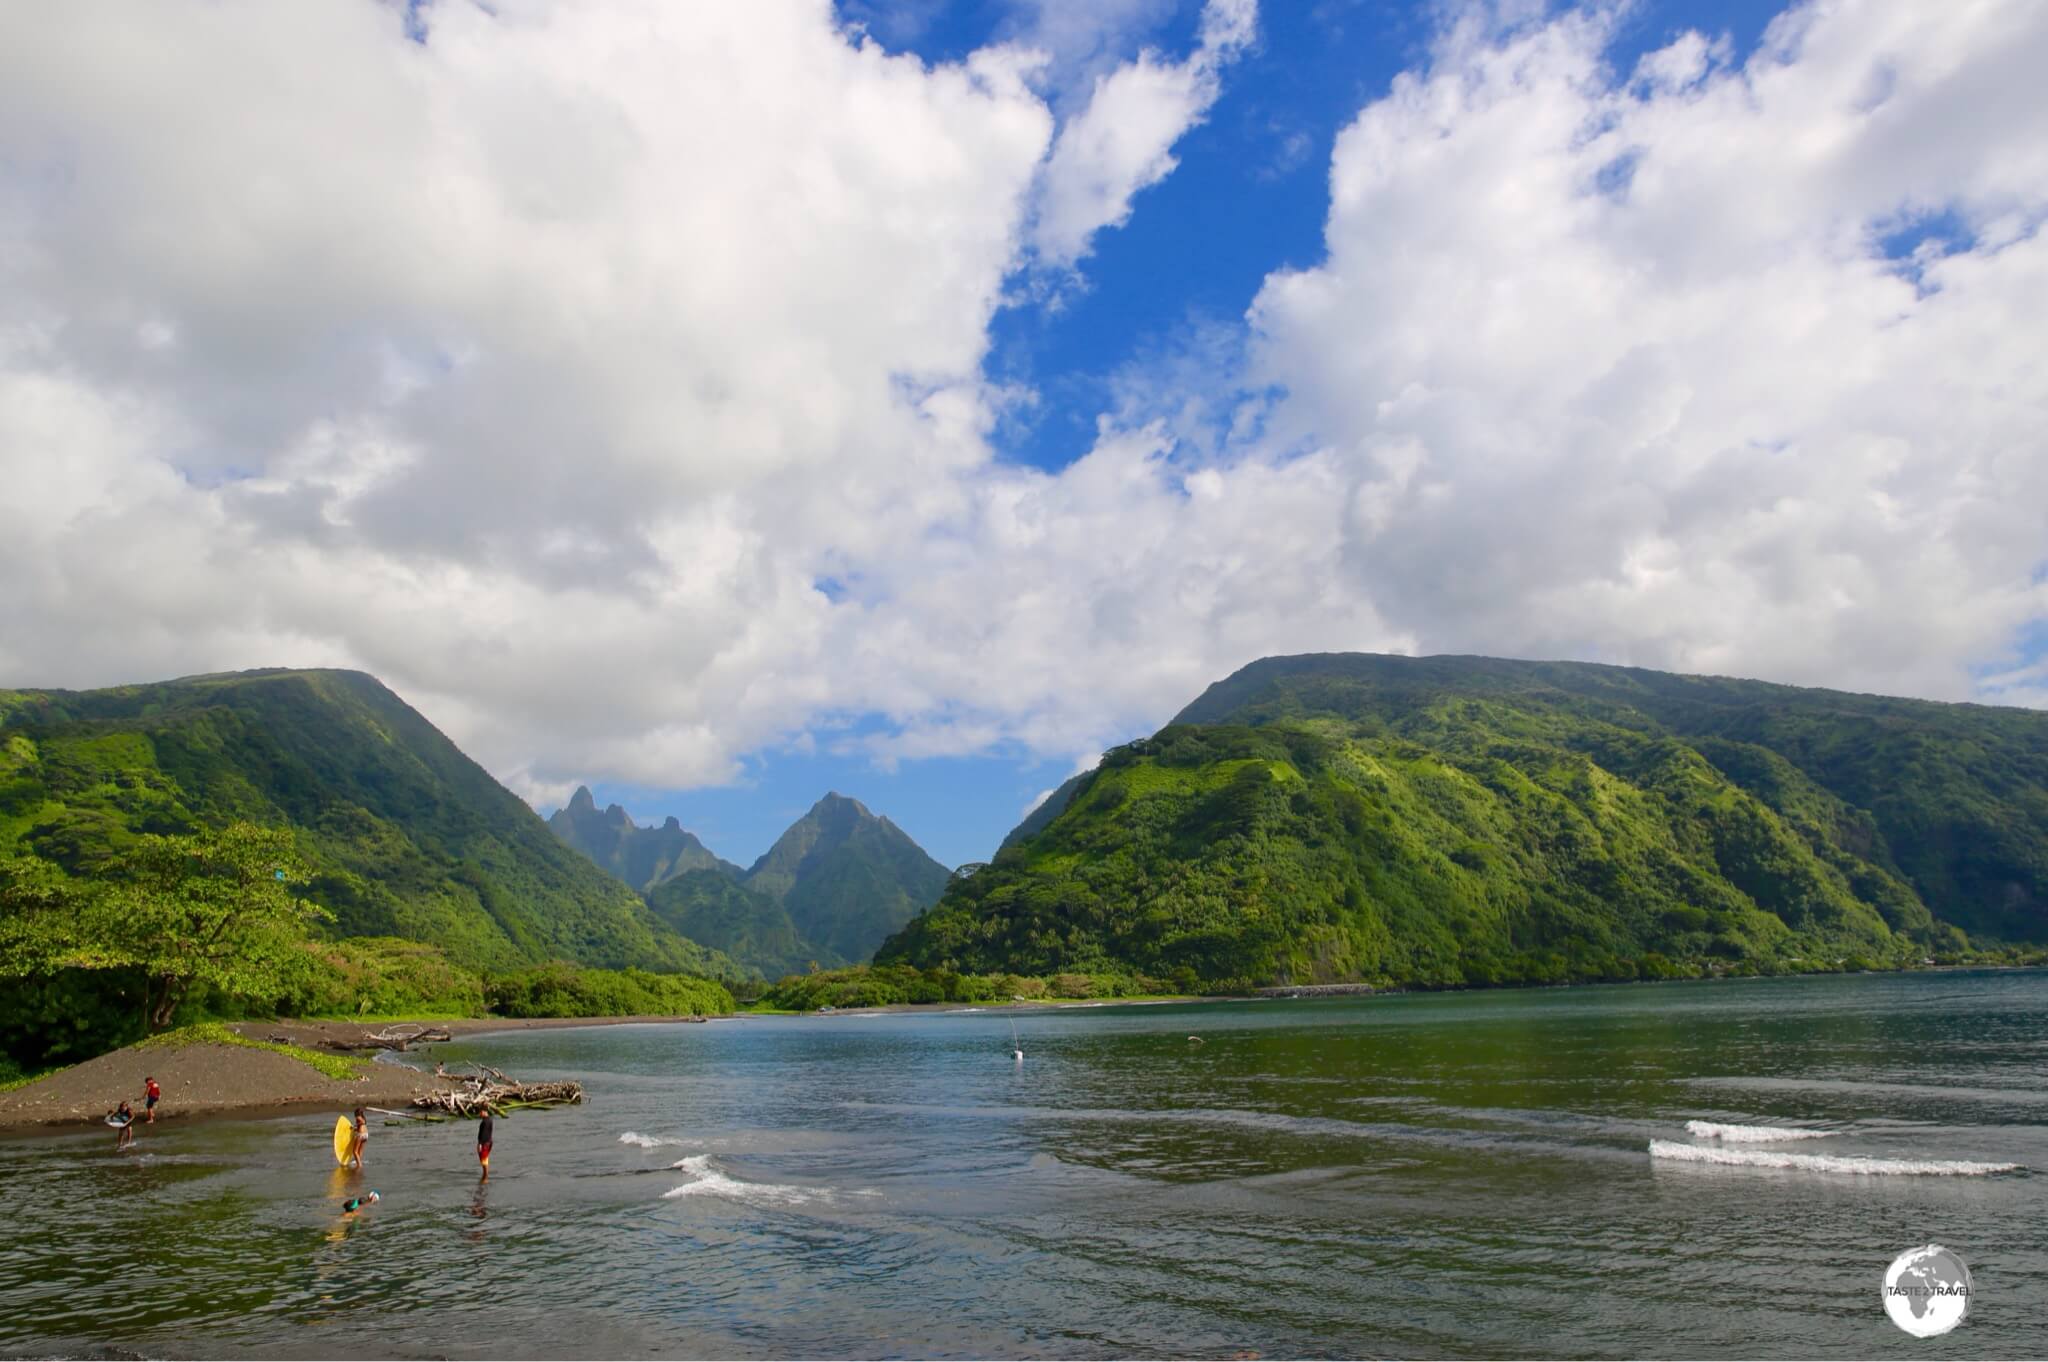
(357, 1203)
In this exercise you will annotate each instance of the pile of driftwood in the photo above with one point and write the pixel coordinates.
(390, 1038)
(490, 1090)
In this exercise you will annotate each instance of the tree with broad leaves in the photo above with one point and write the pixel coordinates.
(215, 909)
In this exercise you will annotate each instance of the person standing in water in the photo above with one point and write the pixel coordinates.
(361, 1137)
(150, 1093)
(124, 1114)
(483, 1144)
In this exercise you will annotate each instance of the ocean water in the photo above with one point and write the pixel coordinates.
(1685, 1170)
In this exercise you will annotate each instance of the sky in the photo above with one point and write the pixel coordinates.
(722, 404)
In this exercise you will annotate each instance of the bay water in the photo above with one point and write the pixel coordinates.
(1462, 1174)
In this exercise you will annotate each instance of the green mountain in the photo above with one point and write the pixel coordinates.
(847, 878)
(827, 893)
(754, 929)
(1454, 819)
(1049, 808)
(409, 837)
(642, 857)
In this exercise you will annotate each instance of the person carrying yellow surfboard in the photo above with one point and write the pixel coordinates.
(359, 1136)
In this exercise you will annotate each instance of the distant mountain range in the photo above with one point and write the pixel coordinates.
(1447, 820)
(410, 837)
(1325, 818)
(642, 857)
(831, 889)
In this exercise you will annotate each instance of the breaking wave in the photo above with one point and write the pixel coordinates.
(1709, 1130)
(650, 1141)
(1825, 1163)
(708, 1181)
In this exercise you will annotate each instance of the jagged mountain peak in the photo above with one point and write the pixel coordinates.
(642, 857)
(837, 882)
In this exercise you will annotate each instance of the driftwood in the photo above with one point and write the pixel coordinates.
(500, 1097)
(489, 1089)
(391, 1038)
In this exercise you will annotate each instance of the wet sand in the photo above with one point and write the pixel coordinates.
(216, 1080)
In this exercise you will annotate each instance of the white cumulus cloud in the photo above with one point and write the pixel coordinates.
(609, 377)
(1618, 365)
(1122, 141)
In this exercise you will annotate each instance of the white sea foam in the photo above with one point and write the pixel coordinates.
(708, 1181)
(1709, 1130)
(650, 1141)
(1824, 1163)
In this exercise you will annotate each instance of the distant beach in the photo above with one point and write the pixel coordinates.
(219, 1080)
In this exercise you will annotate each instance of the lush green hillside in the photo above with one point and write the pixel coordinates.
(847, 878)
(1446, 820)
(830, 890)
(642, 857)
(405, 836)
(710, 908)
(1051, 807)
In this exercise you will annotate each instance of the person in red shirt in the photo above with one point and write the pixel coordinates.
(150, 1093)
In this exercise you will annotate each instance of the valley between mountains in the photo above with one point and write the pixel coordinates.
(1330, 818)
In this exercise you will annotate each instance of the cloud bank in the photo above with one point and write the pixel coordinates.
(608, 378)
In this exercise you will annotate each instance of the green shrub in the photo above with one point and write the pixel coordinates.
(1071, 986)
(882, 985)
(560, 989)
(385, 976)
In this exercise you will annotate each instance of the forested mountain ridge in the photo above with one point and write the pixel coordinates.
(642, 857)
(754, 929)
(406, 836)
(847, 877)
(1446, 820)
(836, 883)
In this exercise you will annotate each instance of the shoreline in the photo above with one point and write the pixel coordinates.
(208, 1081)
(1010, 1005)
(313, 1035)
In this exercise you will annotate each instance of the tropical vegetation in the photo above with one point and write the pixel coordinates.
(1456, 821)
(288, 842)
(402, 834)
(886, 985)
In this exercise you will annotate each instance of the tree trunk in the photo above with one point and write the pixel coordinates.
(167, 1000)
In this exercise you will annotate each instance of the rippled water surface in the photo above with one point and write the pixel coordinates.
(1424, 1175)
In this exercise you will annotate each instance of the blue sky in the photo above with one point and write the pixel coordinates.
(1249, 196)
(717, 407)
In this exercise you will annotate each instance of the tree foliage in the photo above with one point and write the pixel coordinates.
(212, 910)
(560, 989)
(887, 985)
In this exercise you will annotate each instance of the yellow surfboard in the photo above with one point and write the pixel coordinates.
(344, 1138)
